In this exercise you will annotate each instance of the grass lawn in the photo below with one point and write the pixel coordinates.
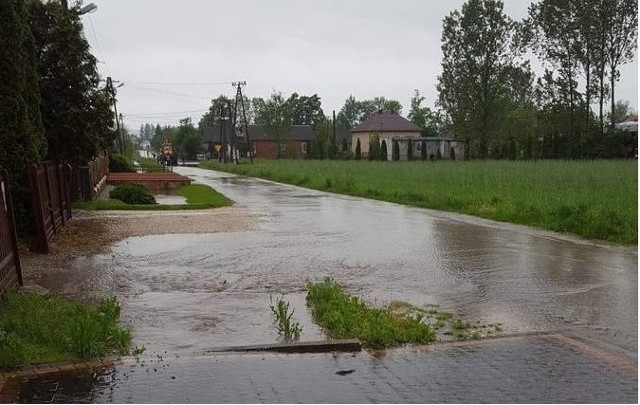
(198, 196)
(592, 199)
(42, 329)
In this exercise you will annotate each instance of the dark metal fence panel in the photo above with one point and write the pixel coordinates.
(66, 189)
(51, 191)
(10, 271)
(42, 207)
(55, 195)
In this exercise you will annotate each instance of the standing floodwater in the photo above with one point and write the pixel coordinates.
(191, 292)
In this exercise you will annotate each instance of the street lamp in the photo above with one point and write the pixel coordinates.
(89, 8)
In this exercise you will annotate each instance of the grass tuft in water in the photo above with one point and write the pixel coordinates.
(287, 328)
(344, 317)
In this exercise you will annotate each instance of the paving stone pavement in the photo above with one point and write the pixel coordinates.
(541, 369)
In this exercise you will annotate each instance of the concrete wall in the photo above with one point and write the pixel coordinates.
(387, 136)
(444, 146)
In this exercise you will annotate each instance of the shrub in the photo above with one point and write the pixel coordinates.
(132, 193)
(120, 164)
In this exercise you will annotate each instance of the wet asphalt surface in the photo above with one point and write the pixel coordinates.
(186, 294)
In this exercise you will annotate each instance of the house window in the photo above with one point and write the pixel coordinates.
(282, 147)
(304, 148)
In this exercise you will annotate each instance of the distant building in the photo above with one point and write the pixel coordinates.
(296, 143)
(631, 143)
(398, 134)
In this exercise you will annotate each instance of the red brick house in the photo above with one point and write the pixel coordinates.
(295, 144)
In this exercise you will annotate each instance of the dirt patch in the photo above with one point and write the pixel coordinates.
(93, 232)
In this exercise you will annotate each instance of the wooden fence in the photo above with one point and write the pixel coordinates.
(94, 176)
(53, 188)
(51, 194)
(10, 271)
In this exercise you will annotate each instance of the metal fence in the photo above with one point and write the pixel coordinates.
(10, 271)
(51, 186)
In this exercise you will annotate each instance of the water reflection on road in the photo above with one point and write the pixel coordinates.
(199, 291)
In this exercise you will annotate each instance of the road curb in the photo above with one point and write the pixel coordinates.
(321, 346)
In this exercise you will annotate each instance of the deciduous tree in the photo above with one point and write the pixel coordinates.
(479, 50)
(354, 112)
(75, 108)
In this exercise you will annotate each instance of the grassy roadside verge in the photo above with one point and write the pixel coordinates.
(344, 317)
(592, 199)
(198, 197)
(38, 329)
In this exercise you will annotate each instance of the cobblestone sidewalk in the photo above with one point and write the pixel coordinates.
(541, 369)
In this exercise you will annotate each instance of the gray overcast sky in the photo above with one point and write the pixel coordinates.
(333, 48)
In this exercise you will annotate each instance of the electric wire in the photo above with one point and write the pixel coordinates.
(160, 91)
(134, 115)
(180, 83)
(95, 37)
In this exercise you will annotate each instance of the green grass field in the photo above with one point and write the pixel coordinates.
(592, 199)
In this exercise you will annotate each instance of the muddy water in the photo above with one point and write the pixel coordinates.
(193, 292)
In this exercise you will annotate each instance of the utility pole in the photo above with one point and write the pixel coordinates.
(112, 91)
(233, 142)
(122, 137)
(240, 99)
(223, 147)
(334, 147)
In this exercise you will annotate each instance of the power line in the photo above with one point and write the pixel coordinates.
(182, 83)
(95, 37)
(160, 91)
(164, 113)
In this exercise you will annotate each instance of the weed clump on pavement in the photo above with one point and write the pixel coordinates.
(287, 327)
(446, 325)
(344, 317)
(42, 329)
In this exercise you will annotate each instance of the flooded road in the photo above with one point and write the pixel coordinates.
(193, 292)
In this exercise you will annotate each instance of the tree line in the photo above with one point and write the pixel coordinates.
(488, 94)
(488, 90)
(52, 103)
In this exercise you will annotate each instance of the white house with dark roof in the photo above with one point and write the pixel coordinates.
(403, 139)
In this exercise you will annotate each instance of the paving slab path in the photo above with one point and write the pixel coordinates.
(539, 369)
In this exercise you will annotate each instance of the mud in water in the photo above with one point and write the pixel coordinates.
(190, 292)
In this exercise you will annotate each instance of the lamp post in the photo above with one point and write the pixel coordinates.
(89, 8)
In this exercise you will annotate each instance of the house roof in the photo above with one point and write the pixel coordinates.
(259, 132)
(384, 121)
(631, 126)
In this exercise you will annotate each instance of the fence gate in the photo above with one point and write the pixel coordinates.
(10, 271)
